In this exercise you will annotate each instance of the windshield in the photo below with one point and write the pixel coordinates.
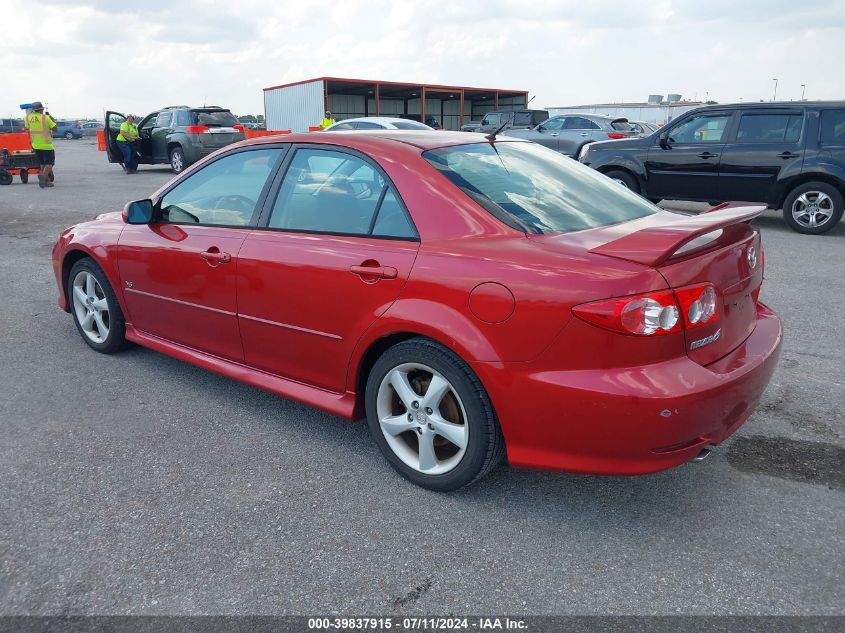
(536, 189)
(219, 118)
(409, 125)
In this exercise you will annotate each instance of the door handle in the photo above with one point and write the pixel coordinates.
(554, 134)
(585, 133)
(707, 155)
(376, 272)
(787, 155)
(213, 256)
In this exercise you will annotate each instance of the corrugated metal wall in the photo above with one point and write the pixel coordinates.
(294, 108)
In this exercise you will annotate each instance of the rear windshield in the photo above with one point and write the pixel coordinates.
(621, 126)
(409, 125)
(536, 189)
(214, 118)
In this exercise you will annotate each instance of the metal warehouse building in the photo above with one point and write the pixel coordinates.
(656, 110)
(300, 105)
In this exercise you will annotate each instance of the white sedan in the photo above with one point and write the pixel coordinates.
(377, 123)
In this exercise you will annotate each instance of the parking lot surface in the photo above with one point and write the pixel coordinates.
(138, 484)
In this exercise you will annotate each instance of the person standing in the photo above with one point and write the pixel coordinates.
(327, 120)
(128, 135)
(40, 126)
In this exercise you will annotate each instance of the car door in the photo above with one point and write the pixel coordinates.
(337, 247)
(179, 272)
(576, 131)
(113, 122)
(766, 148)
(683, 161)
(158, 136)
(546, 134)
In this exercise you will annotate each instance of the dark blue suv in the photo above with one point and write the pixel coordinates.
(789, 155)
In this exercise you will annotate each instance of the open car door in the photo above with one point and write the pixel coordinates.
(113, 122)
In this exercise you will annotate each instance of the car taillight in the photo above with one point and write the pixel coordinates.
(240, 128)
(698, 304)
(654, 313)
(615, 135)
(641, 315)
(196, 129)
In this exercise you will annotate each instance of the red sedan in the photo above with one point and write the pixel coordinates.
(470, 297)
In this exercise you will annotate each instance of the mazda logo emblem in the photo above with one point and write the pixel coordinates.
(752, 257)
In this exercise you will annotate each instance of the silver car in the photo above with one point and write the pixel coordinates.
(377, 123)
(568, 133)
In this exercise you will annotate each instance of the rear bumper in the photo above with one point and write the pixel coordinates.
(634, 420)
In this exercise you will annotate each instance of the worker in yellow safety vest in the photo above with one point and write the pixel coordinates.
(327, 120)
(128, 135)
(41, 126)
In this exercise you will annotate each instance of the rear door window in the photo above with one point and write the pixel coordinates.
(769, 127)
(580, 123)
(832, 127)
(326, 191)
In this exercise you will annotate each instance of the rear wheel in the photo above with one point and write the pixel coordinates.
(69, 135)
(24, 174)
(813, 208)
(95, 309)
(625, 179)
(5, 177)
(177, 160)
(431, 417)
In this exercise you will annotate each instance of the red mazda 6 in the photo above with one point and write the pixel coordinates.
(471, 297)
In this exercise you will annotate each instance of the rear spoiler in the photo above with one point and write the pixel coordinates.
(654, 245)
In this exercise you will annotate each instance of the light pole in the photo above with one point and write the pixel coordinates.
(775, 95)
(803, 87)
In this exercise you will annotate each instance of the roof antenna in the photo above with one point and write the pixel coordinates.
(492, 137)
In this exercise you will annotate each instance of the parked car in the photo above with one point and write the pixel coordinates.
(11, 126)
(512, 120)
(377, 123)
(68, 129)
(472, 126)
(790, 156)
(641, 128)
(89, 128)
(177, 135)
(421, 280)
(568, 133)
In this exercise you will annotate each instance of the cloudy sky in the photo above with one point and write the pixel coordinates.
(82, 57)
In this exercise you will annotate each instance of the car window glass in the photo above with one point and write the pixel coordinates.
(368, 125)
(342, 126)
(163, 119)
(410, 125)
(700, 129)
(554, 124)
(522, 118)
(392, 221)
(832, 127)
(535, 188)
(621, 126)
(224, 192)
(183, 118)
(325, 191)
(490, 119)
(768, 128)
(579, 123)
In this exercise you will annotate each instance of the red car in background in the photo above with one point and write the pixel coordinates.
(470, 297)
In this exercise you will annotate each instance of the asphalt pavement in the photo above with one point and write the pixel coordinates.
(138, 484)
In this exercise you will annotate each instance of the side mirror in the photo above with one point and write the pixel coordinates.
(663, 140)
(540, 128)
(138, 212)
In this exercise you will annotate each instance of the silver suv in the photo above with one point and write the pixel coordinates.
(568, 133)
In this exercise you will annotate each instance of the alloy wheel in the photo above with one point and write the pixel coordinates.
(176, 162)
(90, 306)
(422, 418)
(812, 209)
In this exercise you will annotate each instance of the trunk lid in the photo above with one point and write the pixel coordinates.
(220, 128)
(719, 247)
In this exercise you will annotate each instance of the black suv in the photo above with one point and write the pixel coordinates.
(787, 155)
(177, 135)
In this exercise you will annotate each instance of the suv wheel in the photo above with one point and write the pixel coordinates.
(177, 160)
(813, 208)
(69, 135)
(625, 179)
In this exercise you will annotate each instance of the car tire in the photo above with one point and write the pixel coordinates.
(177, 160)
(813, 208)
(68, 136)
(24, 174)
(94, 307)
(5, 177)
(459, 408)
(625, 179)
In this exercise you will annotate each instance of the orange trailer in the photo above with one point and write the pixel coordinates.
(16, 158)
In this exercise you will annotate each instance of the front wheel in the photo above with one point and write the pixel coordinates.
(431, 417)
(95, 309)
(813, 208)
(69, 136)
(625, 179)
(177, 160)
(24, 174)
